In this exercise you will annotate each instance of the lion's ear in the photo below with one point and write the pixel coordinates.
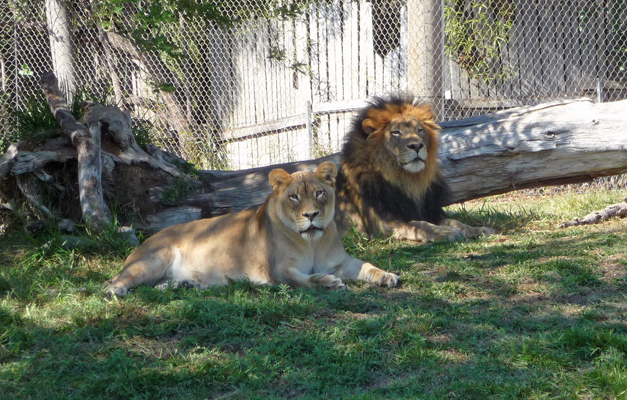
(368, 126)
(278, 177)
(327, 171)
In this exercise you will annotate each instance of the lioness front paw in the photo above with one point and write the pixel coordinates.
(389, 280)
(381, 278)
(328, 281)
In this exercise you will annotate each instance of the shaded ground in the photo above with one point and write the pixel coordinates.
(533, 312)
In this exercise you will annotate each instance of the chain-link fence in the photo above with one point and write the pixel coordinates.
(250, 83)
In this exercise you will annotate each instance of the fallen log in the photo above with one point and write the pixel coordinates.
(548, 144)
(526, 147)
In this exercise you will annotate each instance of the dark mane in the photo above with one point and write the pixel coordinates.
(392, 204)
(378, 103)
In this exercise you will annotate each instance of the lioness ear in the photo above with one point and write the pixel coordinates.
(278, 177)
(368, 126)
(327, 171)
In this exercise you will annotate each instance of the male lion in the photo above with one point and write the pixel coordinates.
(291, 239)
(390, 183)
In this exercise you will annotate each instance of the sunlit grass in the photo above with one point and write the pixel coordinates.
(533, 312)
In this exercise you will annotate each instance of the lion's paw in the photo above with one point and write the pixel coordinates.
(388, 280)
(444, 234)
(186, 284)
(328, 281)
(114, 290)
(481, 231)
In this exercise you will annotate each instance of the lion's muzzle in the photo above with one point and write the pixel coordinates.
(312, 232)
(414, 157)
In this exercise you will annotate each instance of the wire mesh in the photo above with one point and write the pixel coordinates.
(250, 83)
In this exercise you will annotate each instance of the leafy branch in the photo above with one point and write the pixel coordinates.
(475, 32)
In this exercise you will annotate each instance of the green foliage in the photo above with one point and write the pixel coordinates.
(475, 32)
(157, 17)
(142, 130)
(190, 169)
(180, 189)
(534, 312)
(34, 121)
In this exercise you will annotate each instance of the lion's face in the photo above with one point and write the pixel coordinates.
(406, 132)
(305, 200)
(406, 139)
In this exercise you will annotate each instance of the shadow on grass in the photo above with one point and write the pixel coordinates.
(472, 320)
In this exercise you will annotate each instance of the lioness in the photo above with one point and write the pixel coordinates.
(290, 239)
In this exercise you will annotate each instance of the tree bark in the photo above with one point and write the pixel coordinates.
(87, 144)
(618, 210)
(525, 147)
(97, 162)
(59, 28)
(157, 70)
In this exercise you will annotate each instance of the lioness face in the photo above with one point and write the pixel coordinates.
(407, 140)
(306, 200)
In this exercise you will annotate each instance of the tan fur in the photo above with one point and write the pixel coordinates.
(290, 239)
(383, 138)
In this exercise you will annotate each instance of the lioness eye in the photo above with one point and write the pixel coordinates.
(319, 193)
(294, 197)
(396, 133)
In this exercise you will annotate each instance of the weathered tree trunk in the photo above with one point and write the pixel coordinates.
(87, 143)
(61, 46)
(98, 162)
(525, 147)
(157, 70)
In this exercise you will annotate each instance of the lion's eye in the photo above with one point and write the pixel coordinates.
(319, 193)
(396, 133)
(294, 197)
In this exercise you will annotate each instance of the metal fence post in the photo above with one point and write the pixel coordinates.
(309, 127)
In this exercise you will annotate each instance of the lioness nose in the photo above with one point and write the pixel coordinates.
(311, 216)
(416, 146)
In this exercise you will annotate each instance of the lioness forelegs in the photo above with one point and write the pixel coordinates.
(353, 268)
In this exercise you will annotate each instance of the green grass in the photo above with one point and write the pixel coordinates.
(534, 312)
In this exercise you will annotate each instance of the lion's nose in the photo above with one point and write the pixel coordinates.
(416, 146)
(311, 216)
